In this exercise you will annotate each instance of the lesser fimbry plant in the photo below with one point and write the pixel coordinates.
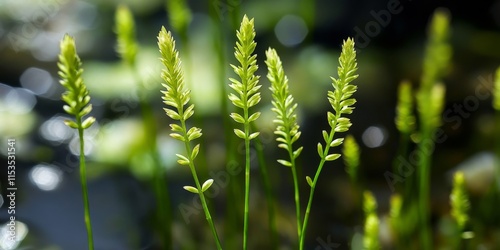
(248, 96)
(287, 128)
(341, 101)
(405, 119)
(125, 30)
(459, 201)
(405, 123)
(370, 237)
(430, 99)
(127, 48)
(179, 15)
(177, 97)
(369, 203)
(351, 154)
(77, 101)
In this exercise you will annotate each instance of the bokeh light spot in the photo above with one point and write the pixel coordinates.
(374, 136)
(291, 30)
(45, 177)
(37, 80)
(6, 230)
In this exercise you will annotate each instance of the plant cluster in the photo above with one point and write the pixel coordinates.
(415, 128)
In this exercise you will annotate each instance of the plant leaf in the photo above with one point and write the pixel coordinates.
(71, 124)
(88, 122)
(183, 160)
(285, 163)
(337, 142)
(237, 118)
(195, 151)
(320, 150)
(332, 157)
(206, 185)
(253, 135)
(191, 189)
(240, 133)
(309, 181)
(254, 117)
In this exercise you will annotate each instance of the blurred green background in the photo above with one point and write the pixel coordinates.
(307, 35)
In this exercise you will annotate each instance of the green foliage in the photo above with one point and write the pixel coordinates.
(125, 30)
(77, 96)
(370, 237)
(351, 157)
(369, 203)
(438, 52)
(179, 15)
(287, 128)
(405, 119)
(341, 102)
(177, 96)
(284, 106)
(430, 106)
(430, 101)
(77, 99)
(247, 87)
(459, 201)
(340, 98)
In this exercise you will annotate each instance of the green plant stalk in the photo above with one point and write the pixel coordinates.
(177, 96)
(430, 99)
(287, 129)
(424, 190)
(268, 191)
(77, 101)
(341, 101)
(249, 95)
(404, 143)
(204, 204)
(83, 181)
(247, 176)
(314, 182)
(296, 192)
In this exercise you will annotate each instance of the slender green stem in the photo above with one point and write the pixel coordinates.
(296, 193)
(268, 190)
(404, 144)
(247, 179)
(189, 151)
(315, 181)
(83, 181)
(424, 189)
